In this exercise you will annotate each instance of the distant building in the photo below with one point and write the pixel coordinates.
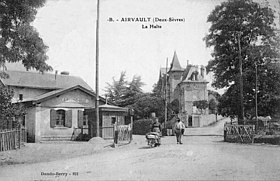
(183, 87)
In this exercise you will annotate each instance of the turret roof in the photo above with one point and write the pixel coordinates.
(175, 65)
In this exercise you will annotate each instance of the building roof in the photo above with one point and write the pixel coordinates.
(194, 81)
(175, 65)
(55, 93)
(107, 107)
(43, 81)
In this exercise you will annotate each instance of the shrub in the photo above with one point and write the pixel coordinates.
(83, 137)
(142, 126)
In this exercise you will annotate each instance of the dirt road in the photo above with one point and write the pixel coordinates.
(199, 158)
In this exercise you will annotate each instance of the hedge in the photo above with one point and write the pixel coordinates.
(270, 139)
(142, 126)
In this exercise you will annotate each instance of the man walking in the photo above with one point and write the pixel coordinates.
(179, 130)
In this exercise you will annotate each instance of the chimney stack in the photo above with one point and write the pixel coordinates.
(202, 71)
(55, 74)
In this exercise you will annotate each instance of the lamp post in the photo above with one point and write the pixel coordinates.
(97, 72)
(256, 95)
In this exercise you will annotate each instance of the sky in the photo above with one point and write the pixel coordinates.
(68, 27)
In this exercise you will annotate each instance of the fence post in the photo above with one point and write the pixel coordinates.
(15, 138)
(131, 118)
(19, 136)
(130, 132)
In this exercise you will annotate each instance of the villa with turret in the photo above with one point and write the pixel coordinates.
(183, 86)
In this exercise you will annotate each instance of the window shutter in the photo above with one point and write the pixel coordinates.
(68, 119)
(52, 118)
(80, 118)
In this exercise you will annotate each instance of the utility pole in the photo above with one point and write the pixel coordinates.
(241, 116)
(165, 92)
(97, 72)
(256, 96)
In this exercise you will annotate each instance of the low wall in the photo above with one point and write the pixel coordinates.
(206, 120)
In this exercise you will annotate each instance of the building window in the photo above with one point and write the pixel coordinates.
(85, 120)
(113, 120)
(60, 117)
(23, 120)
(20, 97)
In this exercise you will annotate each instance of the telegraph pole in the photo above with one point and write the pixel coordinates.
(256, 97)
(241, 118)
(97, 72)
(165, 92)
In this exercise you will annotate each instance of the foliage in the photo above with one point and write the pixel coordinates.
(124, 93)
(116, 91)
(174, 106)
(142, 126)
(148, 104)
(212, 106)
(7, 109)
(213, 103)
(214, 93)
(201, 104)
(157, 89)
(129, 94)
(19, 41)
(254, 24)
(133, 91)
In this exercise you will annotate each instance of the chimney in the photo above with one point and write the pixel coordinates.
(55, 74)
(202, 71)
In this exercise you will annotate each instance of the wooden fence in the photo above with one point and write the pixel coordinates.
(12, 139)
(107, 132)
(239, 133)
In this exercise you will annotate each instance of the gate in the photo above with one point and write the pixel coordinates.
(239, 133)
(122, 133)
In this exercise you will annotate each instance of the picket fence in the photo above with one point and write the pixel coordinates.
(12, 139)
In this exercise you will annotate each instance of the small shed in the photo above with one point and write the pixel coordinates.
(108, 116)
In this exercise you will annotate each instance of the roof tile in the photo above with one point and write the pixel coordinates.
(43, 81)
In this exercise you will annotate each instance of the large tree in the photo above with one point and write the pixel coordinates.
(8, 111)
(130, 94)
(254, 26)
(19, 40)
(124, 93)
(116, 91)
(147, 104)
